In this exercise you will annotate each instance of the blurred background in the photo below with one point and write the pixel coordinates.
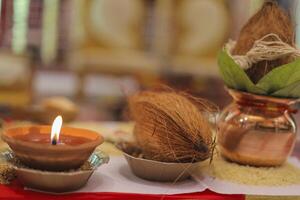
(91, 54)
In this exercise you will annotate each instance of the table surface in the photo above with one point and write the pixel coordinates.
(114, 131)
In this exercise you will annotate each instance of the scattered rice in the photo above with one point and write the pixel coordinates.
(7, 174)
(86, 166)
(287, 174)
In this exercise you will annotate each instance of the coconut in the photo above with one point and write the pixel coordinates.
(171, 126)
(271, 18)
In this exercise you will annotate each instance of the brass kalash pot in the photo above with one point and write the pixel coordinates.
(257, 130)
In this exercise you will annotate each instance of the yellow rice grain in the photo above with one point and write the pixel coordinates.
(287, 174)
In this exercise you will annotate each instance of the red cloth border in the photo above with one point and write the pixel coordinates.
(15, 191)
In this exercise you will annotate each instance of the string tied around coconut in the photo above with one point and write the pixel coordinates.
(269, 47)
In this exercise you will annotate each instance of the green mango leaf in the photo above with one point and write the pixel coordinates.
(281, 77)
(283, 81)
(234, 76)
(291, 91)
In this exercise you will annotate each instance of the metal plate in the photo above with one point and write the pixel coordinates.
(56, 181)
(154, 170)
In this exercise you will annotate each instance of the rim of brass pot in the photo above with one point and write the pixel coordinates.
(237, 94)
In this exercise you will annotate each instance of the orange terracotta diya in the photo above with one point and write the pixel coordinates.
(52, 148)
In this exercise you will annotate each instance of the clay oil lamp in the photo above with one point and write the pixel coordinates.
(53, 148)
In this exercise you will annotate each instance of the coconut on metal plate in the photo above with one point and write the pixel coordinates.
(172, 134)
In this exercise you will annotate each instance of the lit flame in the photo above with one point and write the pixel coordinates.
(55, 130)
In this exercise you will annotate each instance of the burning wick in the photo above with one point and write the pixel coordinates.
(55, 130)
(54, 140)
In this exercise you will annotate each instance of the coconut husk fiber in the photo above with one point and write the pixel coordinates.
(171, 126)
(271, 18)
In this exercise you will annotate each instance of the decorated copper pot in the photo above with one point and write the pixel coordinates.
(257, 130)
